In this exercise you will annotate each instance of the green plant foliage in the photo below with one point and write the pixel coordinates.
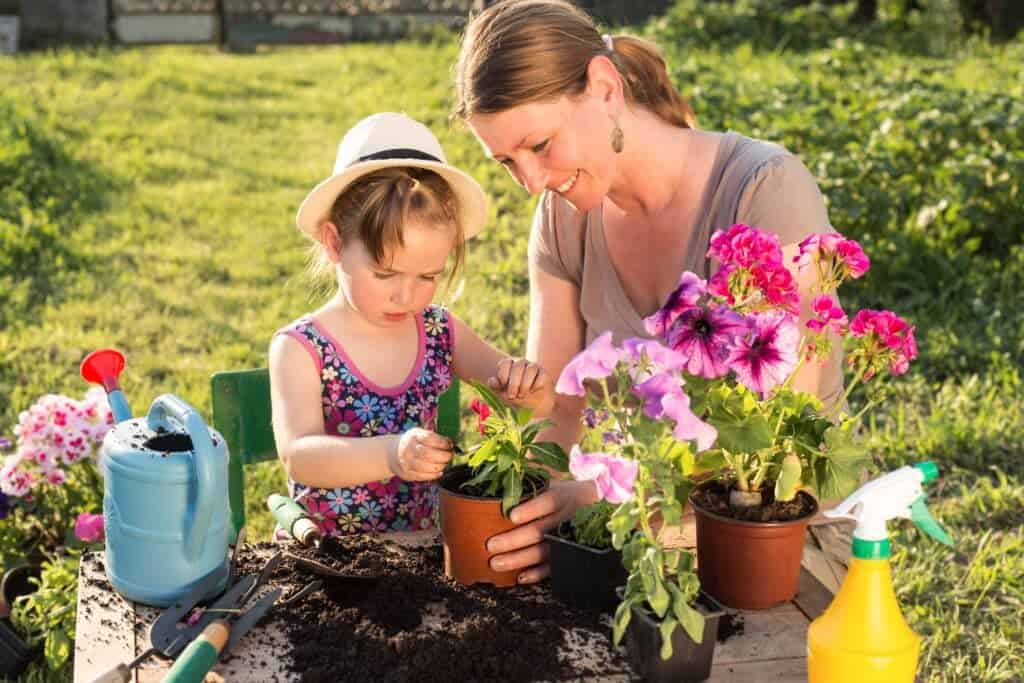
(509, 454)
(47, 616)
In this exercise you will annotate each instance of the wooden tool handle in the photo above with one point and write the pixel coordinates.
(199, 657)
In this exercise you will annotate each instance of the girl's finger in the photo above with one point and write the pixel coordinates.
(516, 387)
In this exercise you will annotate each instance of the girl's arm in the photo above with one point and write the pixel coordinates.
(312, 457)
(517, 381)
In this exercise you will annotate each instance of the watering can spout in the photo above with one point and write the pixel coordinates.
(103, 367)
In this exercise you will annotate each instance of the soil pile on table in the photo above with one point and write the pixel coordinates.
(413, 624)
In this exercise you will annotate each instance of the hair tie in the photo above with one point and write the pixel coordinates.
(608, 42)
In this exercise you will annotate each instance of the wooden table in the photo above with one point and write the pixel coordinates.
(111, 629)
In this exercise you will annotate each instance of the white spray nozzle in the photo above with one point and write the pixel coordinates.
(898, 494)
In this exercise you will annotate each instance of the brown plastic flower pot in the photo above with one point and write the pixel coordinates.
(467, 523)
(690, 662)
(749, 565)
(583, 576)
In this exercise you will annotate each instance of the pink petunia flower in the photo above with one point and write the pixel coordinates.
(613, 476)
(704, 337)
(597, 361)
(89, 527)
(689, 291)
(660, 358)
(768, 353)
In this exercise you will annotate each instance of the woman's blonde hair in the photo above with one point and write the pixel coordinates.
(522, 51)
(375, 208)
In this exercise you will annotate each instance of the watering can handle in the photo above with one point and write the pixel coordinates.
(169, 408)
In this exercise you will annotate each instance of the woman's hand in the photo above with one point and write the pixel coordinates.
(524, 546)
(525, 384)
(419, 455)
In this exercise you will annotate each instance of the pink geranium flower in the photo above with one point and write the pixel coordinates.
(886, 339)
(704, 337)
(597, 361)
(837, 257)
(744, 246)
(689, 291)
(612, 475)
(828, 313)
(89, 527)
(768, 353)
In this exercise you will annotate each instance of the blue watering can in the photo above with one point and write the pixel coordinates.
(165, 495)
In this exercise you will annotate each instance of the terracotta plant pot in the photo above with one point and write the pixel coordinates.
(749, 565)
(584, 576)
(690, 662)
(467, 522)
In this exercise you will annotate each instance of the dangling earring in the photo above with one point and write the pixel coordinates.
(617, 141)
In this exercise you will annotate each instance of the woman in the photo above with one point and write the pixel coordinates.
(631, 193)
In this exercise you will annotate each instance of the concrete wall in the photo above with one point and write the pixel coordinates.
(63, 21)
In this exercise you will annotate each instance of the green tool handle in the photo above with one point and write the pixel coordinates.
(285, 510)
(201, 654)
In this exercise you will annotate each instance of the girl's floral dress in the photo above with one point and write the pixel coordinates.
(353, 406)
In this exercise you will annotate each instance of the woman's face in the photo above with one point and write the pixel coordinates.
(561, 145)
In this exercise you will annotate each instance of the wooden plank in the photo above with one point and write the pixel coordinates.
(790, 670)
(812, 597)
(777, 633)
(103, 626)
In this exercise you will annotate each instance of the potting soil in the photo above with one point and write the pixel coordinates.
(413, 624)
(715, 498)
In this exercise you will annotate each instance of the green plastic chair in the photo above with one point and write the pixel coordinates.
(241, 413)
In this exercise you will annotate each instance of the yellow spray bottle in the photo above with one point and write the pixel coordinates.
(862, 636)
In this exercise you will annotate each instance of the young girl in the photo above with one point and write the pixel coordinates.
(355, 384)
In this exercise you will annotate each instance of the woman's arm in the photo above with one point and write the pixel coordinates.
(555, 335)
(312, 457)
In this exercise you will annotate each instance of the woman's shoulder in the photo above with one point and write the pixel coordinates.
(557, 237)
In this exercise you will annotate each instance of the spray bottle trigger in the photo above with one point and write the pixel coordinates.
(924, 521)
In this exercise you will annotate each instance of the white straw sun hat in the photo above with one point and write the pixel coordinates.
(385, 141)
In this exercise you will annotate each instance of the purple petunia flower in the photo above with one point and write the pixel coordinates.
(768, 353)
(597, 361)
(689, 291)
(705, 337)
(664, 397)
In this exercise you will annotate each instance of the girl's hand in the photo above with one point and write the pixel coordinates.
(521, 383)
(419, 455)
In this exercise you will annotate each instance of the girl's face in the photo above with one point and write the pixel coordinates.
(389, 293)
(562, 145)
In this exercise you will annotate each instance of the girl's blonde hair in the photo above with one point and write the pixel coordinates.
(375, 208)
(522, 51)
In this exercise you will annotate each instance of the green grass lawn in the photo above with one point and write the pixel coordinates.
(162, 185)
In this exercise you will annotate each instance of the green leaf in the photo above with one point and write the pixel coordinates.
(837, 472)
(523, 416)
(491, 399)
(788, 482)
(742, 435)
(513, 491)
(623, 613)
(550, 454)
(666, 628)
(57, 648)
(481, 454)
